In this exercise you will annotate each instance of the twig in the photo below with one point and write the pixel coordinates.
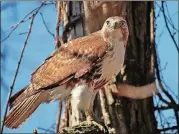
(46, 130)
(47, 26)
(59, 114)
(176, 107)
(17, 70)
(26, 18)
(156, 64)
(173, 103)
(171, 35)
(168, 128)
(169, 18)
(23, 33)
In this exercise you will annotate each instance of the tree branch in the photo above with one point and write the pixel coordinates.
(170, 106)
(156, 66)
(18, 65)
(168, 128)
(57, 36)
(171, 35)
(59, 114)
(47, 26)
(46, 130)
(26, 18)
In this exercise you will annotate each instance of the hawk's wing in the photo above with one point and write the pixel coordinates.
(73, 60)
(76, 57)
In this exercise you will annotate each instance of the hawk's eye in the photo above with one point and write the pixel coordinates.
(122, 23)
(107, 22)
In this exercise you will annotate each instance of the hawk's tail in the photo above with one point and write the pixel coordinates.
(21, 111)
(19, 96)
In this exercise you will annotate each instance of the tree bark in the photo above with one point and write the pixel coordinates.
(119, 114)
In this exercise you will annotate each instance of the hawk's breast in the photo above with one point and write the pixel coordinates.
(113, 62)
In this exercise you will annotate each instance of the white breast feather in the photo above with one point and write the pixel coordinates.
(82, 96)
(113, 62)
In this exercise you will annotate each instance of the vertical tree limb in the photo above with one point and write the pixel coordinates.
(156, 65)
(57, 36)
(17, 70)
(59, 117)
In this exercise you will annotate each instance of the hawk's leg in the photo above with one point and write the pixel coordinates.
(82, 98)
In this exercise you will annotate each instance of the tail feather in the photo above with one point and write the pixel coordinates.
(23, 110)
(16, 98)
(26, 101)
(20, 110)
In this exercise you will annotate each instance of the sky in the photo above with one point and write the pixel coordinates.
(41, 44)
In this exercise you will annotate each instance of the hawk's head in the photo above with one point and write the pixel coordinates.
(115, 29)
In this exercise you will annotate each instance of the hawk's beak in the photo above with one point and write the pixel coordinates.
(114, 25)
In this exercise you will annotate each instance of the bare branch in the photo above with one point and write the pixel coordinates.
(46, 26)
(26, 18)
(46, 130)
(67, 107)
(58, 39)
(23, 33)
(166, 23)
(18, 65)
(168, 128)
(156, 65)
(169, 18)
(170, 106)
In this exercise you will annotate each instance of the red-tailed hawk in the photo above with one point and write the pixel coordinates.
(80, 67)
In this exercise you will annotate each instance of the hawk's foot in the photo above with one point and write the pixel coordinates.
(89, 115)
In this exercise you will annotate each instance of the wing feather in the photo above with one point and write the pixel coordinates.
(77, 56)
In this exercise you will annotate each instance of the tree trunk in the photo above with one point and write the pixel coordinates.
(119, 114)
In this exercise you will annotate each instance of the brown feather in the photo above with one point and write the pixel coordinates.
(15, 96)
(81, 60)
(23, 110)
(68, 60)
(73, 59)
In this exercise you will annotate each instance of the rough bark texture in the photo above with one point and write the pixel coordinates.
(119, 114)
